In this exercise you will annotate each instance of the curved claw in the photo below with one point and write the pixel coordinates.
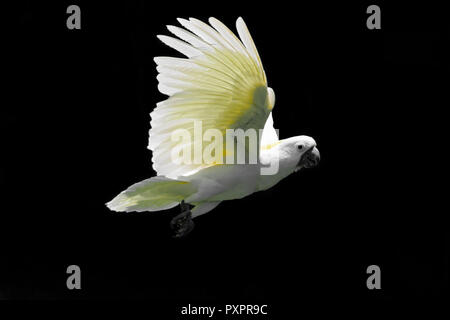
(182, 224)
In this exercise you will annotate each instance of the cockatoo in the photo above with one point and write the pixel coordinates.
(222, 85)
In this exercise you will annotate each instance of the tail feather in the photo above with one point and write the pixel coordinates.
(154, 194)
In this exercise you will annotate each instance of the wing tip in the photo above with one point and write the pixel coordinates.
(116, 204)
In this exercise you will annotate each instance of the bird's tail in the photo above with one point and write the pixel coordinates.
(154, 194)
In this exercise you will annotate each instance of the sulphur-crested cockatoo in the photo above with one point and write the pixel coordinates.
(221, 85)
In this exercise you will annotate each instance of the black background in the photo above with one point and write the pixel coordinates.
(75, 131)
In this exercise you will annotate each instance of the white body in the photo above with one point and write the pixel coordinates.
(222, 83)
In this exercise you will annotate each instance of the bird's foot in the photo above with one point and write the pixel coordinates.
(182, 224)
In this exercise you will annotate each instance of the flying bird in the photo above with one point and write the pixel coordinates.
(222, 85)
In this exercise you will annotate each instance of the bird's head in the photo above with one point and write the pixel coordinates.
(300, 152)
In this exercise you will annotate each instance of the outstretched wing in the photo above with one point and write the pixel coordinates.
(221, 83)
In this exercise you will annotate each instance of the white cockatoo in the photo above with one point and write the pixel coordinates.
(222, 85)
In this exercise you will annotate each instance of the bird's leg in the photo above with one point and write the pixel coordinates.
(182, 224)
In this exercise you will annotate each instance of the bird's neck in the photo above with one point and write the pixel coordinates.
(281, 165)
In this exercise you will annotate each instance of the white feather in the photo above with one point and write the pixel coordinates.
(180, 46)
(228, 35)
(269, 135)
(246, 38)
(189, 37)
(212, 34)
(217, 85)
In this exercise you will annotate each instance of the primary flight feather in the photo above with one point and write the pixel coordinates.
(220, 87)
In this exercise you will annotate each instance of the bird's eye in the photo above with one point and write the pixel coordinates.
(300, 147)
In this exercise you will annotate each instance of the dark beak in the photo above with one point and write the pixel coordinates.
(310, 158)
